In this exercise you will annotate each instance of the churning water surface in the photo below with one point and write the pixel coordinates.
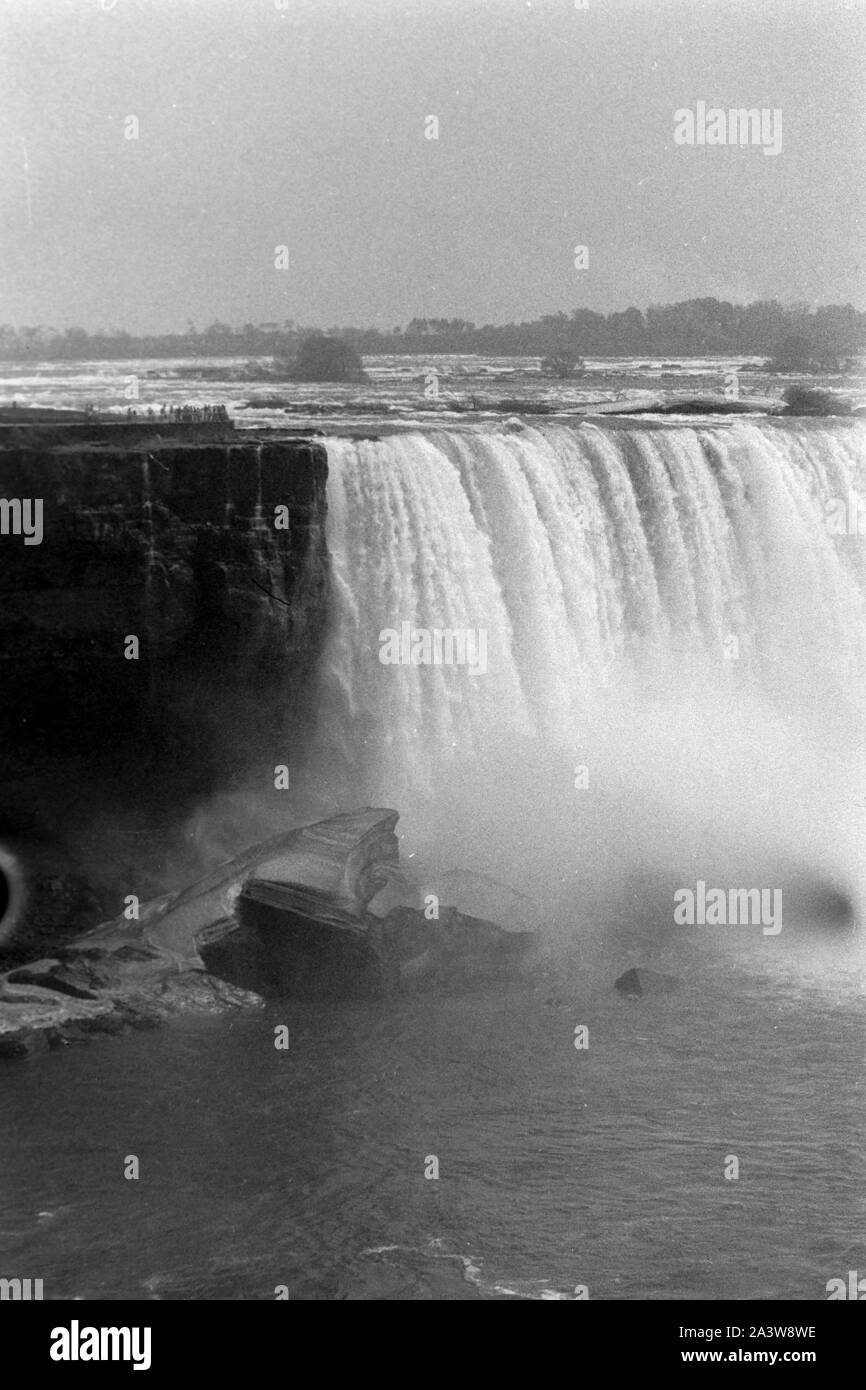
(558, 1167)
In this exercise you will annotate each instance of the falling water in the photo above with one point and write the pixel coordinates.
(669, 608)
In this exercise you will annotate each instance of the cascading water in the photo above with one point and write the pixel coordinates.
(670, 609)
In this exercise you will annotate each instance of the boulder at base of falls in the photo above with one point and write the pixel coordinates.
(304, 922)
(305, 893)
(639, 981)
(454, 950)
(288, 916)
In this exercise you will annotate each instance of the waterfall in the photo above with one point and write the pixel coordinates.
(661, 605)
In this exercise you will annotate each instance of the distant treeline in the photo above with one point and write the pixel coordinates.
(793, 334)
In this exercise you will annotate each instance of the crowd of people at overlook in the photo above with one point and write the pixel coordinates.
(174, 414)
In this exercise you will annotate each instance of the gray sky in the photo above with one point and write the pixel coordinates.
(261, 126)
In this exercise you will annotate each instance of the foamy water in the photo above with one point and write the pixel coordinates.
(399, 389)
(666, 609)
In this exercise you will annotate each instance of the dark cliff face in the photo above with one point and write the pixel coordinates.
(181, 545)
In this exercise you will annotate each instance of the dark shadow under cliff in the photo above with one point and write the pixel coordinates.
(213, 556)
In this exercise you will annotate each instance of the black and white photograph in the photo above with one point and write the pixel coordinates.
(432, 664)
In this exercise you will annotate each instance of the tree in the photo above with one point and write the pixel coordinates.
(563, 362)
(320, 358)
(818, 353)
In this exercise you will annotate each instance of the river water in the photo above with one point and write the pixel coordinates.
(399, 390)
(558, 1167)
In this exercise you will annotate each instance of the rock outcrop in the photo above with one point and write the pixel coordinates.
(640, 981)
(289, 916)
(698, 405)
(93, 990)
